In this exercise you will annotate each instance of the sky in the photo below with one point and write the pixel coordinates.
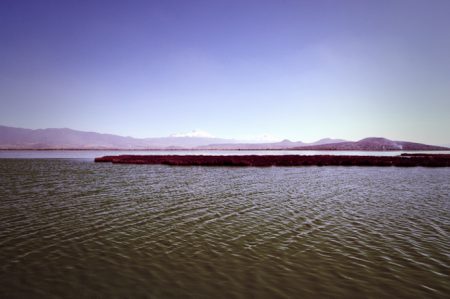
(298, 70)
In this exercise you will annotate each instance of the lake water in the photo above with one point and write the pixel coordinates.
(91, 154)
(77, 229)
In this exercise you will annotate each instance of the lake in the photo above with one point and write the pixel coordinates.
(91, 154)
(73, 228)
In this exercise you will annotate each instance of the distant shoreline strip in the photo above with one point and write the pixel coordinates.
(403, 160)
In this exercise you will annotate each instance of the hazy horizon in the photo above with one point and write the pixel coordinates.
(246, 70)
(217, 139)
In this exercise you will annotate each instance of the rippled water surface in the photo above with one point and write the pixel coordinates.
(74, 228)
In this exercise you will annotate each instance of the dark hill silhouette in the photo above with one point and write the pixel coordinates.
(374, 144)
(18, 138)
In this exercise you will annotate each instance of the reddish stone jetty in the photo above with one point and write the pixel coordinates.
(404, 160)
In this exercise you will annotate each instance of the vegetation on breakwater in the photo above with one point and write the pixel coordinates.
(404, 160)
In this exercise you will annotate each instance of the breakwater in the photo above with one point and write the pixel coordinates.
(404, 160)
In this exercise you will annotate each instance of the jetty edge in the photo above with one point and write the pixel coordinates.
(403, 160)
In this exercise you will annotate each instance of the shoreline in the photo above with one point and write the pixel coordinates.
(218, 150)
(403, 160)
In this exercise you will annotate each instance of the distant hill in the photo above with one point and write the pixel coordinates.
(18, 138)
(285, 144)
(373, 144)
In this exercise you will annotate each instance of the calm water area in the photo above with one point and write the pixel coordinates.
(72, 228)
(91, 154)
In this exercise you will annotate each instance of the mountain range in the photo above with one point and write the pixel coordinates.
(373, 144)
(19, 138)
(285, 144)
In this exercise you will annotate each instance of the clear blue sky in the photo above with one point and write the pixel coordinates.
(301, 70)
